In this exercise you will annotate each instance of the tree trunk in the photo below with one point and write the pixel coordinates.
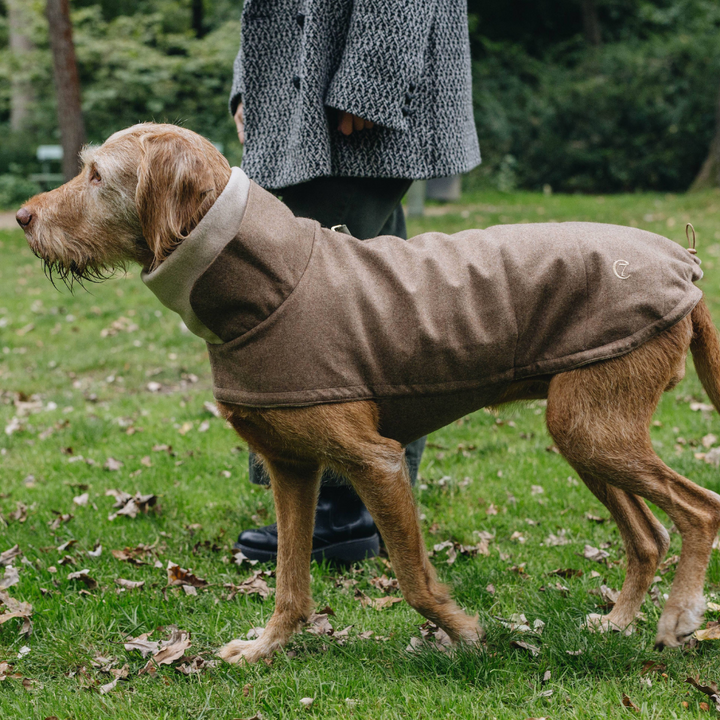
(709, 175)
(21, 45)
(591, 23)
(198, 17)
(67, 85)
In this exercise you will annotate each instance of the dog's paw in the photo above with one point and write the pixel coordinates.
(677, 624)
(249, 650)
(472, 635)
(604, 623)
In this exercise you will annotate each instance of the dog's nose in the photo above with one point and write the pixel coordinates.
(24, 217)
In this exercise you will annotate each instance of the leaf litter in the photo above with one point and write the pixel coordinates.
(254, 585)
(168, 652)
(711, 690)
(131, 505)
(13, 608)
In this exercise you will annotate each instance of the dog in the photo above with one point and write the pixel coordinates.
(143, 194)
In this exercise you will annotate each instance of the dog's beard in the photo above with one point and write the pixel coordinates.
(71, 268)
(74, 272)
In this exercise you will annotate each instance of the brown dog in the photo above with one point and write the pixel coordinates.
(143, 191)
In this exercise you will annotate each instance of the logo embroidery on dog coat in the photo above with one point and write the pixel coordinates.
(619, 267)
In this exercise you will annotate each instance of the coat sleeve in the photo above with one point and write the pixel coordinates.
(383, 60)
(238, 87)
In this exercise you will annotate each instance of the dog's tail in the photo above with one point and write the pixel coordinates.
(705, 347)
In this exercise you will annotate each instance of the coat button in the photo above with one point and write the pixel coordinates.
(405, 112)
(411, 87)
(296, 82)
(300, 19)
(409, 96)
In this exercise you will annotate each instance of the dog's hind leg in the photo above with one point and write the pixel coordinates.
(646, 541)
(599, 417)
(295, 488)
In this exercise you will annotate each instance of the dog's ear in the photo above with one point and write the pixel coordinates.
(176, 187)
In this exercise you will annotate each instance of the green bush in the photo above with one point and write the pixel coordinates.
(630, 115)
(15, 190)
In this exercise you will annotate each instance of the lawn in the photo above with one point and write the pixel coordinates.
(104, 391)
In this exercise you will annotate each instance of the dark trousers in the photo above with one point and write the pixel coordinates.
(368, 207)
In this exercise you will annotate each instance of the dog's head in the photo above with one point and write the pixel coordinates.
(137, 196)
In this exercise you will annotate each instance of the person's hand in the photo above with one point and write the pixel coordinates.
(350, 123)
(239, 118)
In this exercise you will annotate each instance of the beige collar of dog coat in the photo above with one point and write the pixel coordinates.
(173, 280)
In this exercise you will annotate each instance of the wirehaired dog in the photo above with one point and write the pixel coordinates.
(151, 190)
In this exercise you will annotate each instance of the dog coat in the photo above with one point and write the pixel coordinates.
(430, 328)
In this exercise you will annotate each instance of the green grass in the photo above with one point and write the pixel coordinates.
(93, 389)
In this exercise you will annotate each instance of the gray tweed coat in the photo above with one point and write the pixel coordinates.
(431, 328)
(404, 64)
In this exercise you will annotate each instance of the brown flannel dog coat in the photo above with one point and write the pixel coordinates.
(430, 328)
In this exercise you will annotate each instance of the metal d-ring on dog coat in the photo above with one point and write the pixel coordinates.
(430, 328)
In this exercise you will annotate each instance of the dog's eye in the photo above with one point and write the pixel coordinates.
(95, 178)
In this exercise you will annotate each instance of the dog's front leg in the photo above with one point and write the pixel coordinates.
(379, 475)
(295, 488)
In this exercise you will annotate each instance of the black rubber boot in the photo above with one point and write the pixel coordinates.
(344, 531)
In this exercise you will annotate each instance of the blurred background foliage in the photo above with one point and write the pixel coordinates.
(579, 95)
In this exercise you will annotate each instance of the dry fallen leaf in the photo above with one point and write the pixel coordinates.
(19, 514)
(83, 577)
(179, 576)
(112, 464)
(129, 584)
(13, 608)
(169, 650)
(130, 505)
(194, 666)
(82, 500)
(211, 408)
(454, 548)
(133, 555)
(567, 572)
(141, 643)
(652, 666)
(185, 428)
(239, 558)
(384, 602)
(254, 585)
(711, 632)
(532, 649)
(607, 594)
(711, 690)
(318, 624)
(595, 518)
(594, 554)
(559, 539)
(628, 703)
(431, 637)
(12, 577)
(668, 564)
(7, 557)
(702, 407)
(104, 689)
(385, 583)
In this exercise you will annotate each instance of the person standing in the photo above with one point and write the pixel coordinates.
(340, 106)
